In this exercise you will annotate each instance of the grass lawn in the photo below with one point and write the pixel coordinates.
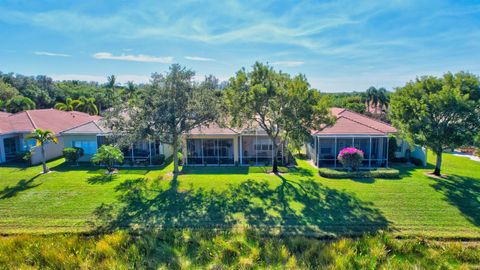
(299, 201)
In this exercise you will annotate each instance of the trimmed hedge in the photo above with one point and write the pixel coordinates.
(386, 173)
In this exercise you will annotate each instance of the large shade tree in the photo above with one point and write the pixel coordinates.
(170, 106)
(7, 91)
(284, 107)
(439, 113)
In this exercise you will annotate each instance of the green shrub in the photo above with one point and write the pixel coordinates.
(386, 173)
(180, 158)
(72, 154)
(25, 156)
(109, 156)
(416, 161)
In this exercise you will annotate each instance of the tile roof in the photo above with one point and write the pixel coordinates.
(92, 127)
(4, 114)
(213, 129)
(349, 122)
(50, 119)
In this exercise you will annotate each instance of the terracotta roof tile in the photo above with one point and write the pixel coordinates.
(50, 119)
(212, 129)
(349, 122)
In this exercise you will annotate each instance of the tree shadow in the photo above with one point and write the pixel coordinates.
(300, 207)
(21, 185)
(215, 170)
(307, 207)
(300, 171)
(101, 179)
(462, 192)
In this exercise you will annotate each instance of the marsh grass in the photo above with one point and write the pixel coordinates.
(227, 249)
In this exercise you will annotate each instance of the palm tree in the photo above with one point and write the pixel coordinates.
(110, 94)
(87, 105)
(42, 137)
(383, 98)
(18, 104)
(130, 89)
(375, 99)
(111, 81)
(370, 93)
(69, 105)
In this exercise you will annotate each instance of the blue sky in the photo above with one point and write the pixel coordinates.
(339, 45)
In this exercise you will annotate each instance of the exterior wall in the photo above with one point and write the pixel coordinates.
(420, 153)
(68, 140)
(235, 138)
(405, 151)
(167, 150)
(52, 151)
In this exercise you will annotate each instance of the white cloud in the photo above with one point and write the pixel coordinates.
(121, 78)
(52, 54)
(134, 58)
(197, 58)
(288, 63)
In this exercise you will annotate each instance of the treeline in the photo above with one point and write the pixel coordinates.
(19, 92)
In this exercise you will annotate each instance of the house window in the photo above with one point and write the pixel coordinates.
(89, 147)
(10, 145)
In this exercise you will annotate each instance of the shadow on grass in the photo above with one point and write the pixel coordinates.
(464, 193)
(22, 185)
(101, 179)
(215, 170)
(300, 207)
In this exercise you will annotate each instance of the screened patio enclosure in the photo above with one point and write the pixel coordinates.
(136, 153)
(325, 150)
(210, 151)
(256, 150)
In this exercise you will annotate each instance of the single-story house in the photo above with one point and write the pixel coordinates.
(352, 129)
(215, 145)
(92, 135)
(72, 129)
(14, 128)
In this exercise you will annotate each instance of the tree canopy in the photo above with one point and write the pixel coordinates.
(172, 105)
(284, 107)
(438, 113)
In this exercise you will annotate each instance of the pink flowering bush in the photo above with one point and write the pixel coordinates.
(351, 158)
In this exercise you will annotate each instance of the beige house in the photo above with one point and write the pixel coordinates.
(214, 145)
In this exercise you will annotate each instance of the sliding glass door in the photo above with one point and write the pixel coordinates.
(210, 151)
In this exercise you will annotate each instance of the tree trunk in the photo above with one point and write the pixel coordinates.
(175, 154)
(44, 159)
(275, 162)
(438, 165)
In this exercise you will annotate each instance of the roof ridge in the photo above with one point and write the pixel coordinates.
(31, 120)
(371, 118)
(68, 129)
(362, 124)
(98, 126)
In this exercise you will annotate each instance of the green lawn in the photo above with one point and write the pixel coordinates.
(298, 201)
